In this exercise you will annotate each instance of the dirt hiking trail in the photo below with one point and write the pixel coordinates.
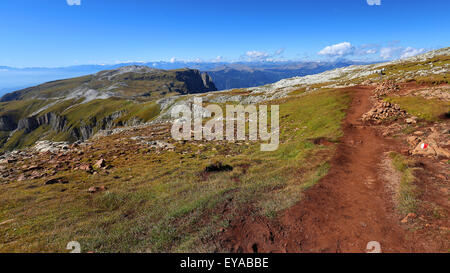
(344, 211)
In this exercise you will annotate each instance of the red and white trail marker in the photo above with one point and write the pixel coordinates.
(424, 146)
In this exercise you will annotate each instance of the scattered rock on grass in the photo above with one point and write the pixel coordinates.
(96, 189)
(56, 181)
(86, 167)
(100, 164)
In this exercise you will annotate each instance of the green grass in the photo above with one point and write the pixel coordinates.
(162, 202)
(17, 110)
(434, 79)
(20, 139)
(406, 196)
(427, 109)
(143, 111)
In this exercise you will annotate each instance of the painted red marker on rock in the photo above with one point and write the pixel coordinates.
(424, 146)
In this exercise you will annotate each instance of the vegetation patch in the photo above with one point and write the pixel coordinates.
(427, 109)
(406, 196)
(158, 202)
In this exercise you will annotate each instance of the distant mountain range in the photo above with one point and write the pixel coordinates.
(224, 75)
(243, 75)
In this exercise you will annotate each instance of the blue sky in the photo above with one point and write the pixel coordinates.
(52, 33)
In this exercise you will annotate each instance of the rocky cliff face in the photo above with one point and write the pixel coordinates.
(85, 131)
(59, 124)
(208, 82)
(195, 82)
(7, 124)
(55, 121)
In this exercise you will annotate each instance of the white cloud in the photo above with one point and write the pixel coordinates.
(73, 2)
(257, 55)
(370, 51)
(261, 56)
(389, 52)
(279, 52)
(173, 59)
(410, 51)
(366, 49)
(374, 2)
(218, 59)
(340, 50)
(395, 52)
(127, 61)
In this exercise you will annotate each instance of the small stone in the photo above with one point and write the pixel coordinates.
(85, 167)
(21, 177)
(412, 140)
(7, 222)
(55, 181)
(411, 215)
(440, 176)
(96, 189)
(100, 163)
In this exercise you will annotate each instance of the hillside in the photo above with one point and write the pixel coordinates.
(352, 167)
(74, 109)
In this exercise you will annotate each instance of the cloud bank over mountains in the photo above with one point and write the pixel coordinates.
(369, 51)
(344, 50)
(262, 56)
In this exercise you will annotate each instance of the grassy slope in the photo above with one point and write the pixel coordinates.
(427, 109)
(127, 84)
(160, 202)
(396, 70)
(17, 110)
(76, 115)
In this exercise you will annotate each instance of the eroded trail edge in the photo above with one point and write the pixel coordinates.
(344, 211)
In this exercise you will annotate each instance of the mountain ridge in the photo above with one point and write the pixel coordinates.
(11, 78)
(75, 109)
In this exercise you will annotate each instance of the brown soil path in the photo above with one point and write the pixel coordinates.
(347, 209)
